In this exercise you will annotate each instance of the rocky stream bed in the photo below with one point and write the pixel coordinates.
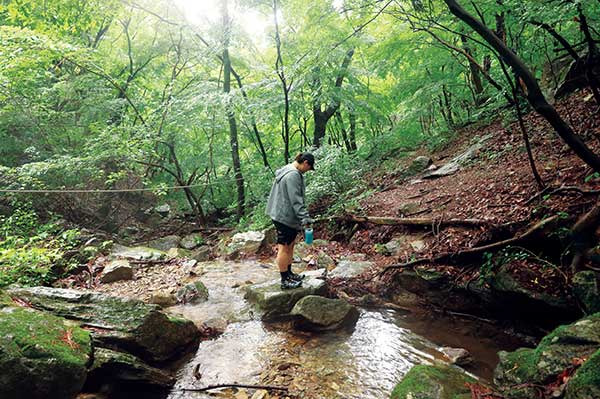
(166, 325)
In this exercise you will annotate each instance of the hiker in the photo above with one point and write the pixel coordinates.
(288, 213)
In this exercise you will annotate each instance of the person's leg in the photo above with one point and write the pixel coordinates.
(283, 256)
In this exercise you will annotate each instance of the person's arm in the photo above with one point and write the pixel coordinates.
(293, 184)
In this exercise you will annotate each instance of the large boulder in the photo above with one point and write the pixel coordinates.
(128, 324)
(316, 313)
(519, 371)
(164, 243)
(273, 302)
(460, 160)
(350, 269)
(41, 355)
(587, 290)
(513, 287)
(118, 369)
(433, 382)
(201, 254)
(585, 384)
(248, 242)
(117, 270)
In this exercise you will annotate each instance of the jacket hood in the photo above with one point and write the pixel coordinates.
(281, 172)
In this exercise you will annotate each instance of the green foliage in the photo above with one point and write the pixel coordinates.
(31, 252)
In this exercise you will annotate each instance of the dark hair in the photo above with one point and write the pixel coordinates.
(306, 156)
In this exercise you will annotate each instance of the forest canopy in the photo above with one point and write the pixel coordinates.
(215, 95)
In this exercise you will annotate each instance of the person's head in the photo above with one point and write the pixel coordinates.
(305, 161)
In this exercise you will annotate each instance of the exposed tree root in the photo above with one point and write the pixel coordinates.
(550, 190)
(418, 222)
(467, 253)
(583, 235)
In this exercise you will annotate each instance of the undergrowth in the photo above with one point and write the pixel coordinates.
(32, 252)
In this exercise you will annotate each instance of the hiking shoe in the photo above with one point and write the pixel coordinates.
(289, 284)
(296, 277)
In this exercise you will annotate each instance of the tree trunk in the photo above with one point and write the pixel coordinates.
(233, 137)
(352, 137)
(474, 72)
(322, 117)
(534, 93)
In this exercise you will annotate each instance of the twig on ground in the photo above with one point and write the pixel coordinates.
(217, 386)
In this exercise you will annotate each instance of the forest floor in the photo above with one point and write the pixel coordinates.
(497, 185)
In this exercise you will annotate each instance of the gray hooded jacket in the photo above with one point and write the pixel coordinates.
(286, 200)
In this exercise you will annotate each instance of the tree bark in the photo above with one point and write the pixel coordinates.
(321, 117)
(233, 137)
(534, 93)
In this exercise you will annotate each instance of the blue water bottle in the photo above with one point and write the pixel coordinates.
(308, 235)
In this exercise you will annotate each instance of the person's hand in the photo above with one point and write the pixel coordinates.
(307, 221)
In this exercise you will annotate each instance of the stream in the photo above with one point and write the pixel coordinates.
(365, 363)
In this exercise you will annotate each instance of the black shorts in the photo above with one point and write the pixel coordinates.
(285, 234)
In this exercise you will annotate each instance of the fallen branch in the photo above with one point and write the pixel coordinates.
(211, 387)
(454, 256)
(424, 222)
(561, 190)
(150, 262)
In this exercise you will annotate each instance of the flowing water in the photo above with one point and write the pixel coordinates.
(363, 363)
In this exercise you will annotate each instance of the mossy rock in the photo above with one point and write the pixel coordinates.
(554, 354)
(128, 324)
(587, 290)
(585, 384)
(273, 302)
(41, 355)
(117, 368)
(508, 288)
(433, 382)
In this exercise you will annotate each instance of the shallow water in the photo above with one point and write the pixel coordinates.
(363, 363)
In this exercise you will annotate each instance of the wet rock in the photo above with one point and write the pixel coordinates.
(316, 313)
(214, 326)
(201, 254)
(509, 289)
(325, 261)
(179, 253)
(136, 253)
(273, 302)
(585, 384)
(163, 210)
(433, 382)
(458, 356)
(127, 324)
(245, 243)
(163, 298)
(41, 355)
(418, 165)
(192, 241)
(195, 292)
(459, 161)
(394, 246)
(350, 269)
(164, 243)
(418, 245)
(587, 290)
(526, 367)
(117, 270)
(117, 368)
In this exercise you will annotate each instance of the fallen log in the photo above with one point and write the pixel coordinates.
(459, 255)
(422, 222)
